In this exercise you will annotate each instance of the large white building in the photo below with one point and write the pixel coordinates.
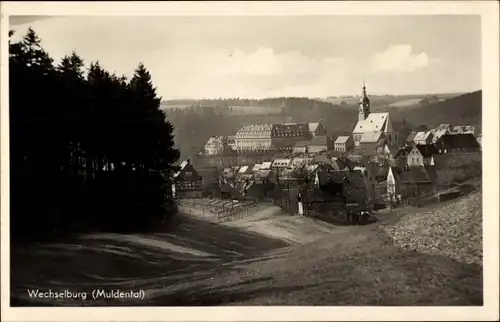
(369, 123)
(254, 138)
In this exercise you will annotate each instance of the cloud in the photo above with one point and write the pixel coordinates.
(400, 58)
(263, 70)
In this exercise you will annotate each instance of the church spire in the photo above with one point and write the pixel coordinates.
(364, 105)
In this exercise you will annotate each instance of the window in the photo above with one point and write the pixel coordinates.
(188, 174)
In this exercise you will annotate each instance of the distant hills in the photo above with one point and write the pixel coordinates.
(461, 110)
(196, 120)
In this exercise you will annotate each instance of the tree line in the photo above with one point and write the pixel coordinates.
(88, 149)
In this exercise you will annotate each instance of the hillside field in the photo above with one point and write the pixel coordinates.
(271, 258)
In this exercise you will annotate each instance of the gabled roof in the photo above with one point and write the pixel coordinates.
(257, 167)
(266, 165)
(372, 137)
(443, 127)
(414, 175)
(426, 150)
(181, 167)
(342, 139)
(404, 151)
(243, 169)
(186, 167)
(374, 122)
(420, 136)
(301, 144)
(354, 189)
(262, 173)
(313, 126)
(319, 140)
(464, 142)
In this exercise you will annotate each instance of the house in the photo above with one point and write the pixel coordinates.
(285, 136)
(262, 176)
(216, 145)
(245, 171)
(281, 163)
(316, 129)
(343, 144)
(256, 167)
(371, 142)
(350, 184)
(441, 130)
(423, 138)
(388, 152)
(421, 155)
(401, 158)
(373, 122)
(458, 144)
(300, 147)
(444, 127)
(319, 144)
(457, 129)
(187, 183)
(321, 158)
(301, 161)
(254, 138)
(409, 182)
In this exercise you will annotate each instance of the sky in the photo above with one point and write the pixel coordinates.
(272, 56)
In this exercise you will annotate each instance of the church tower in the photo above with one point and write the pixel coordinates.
(364, 105)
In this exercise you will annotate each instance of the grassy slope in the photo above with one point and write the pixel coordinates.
(212, 264)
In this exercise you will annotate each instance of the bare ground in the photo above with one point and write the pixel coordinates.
(269, 258)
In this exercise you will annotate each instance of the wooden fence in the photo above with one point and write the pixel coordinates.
(221, 210)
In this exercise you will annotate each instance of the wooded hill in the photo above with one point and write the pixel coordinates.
(462, 110)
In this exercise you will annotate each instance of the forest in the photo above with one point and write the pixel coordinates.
(89, 150)
(204, 118)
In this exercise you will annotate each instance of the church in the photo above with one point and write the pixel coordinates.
(373, 126)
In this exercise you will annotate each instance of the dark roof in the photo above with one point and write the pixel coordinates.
(413, 175)
(187, 173)
(301, 144)
(319, 140)
(426, 150)
(354, 189)
(302, 128)
(459, 142)
(404, 151)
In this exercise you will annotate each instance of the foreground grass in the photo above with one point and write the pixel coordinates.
(200, 263)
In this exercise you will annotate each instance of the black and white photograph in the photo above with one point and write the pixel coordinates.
(246, 160)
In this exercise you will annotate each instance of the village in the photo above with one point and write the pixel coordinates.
(234, 161)
(307, 172)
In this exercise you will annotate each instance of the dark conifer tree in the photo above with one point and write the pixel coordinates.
(86, 150)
